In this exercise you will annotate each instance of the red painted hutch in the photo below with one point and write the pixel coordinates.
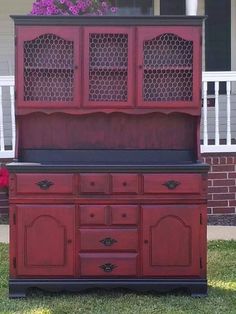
(107, 189)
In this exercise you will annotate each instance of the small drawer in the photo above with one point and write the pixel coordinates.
(93, 214)
(124, 214)
(108, 239)
(108, 265)
(124, 183)
(94, 183)
(172, 183)
(44, 183)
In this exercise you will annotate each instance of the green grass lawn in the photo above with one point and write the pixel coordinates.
(221, 298)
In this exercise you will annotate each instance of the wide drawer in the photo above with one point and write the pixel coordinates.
(45, 183)
(124, 183)
(96, 183)
(108, 265)
(108, 239)
(172, 183)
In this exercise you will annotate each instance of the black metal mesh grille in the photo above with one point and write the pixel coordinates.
(108, 67)
(168, 72)
(48, 69)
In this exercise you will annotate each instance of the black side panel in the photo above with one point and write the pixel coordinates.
(218, 37)
(134, 7)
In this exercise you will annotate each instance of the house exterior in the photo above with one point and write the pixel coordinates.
(219, 90)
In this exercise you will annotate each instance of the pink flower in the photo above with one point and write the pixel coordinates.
(72, 7)
(113, 9)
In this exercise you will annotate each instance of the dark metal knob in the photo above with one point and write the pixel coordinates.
(108, 267)
(124, 183)
(69, 241)
(171, 184)
(92, 183)
(124, 215)
(108, 241)
(44, 184)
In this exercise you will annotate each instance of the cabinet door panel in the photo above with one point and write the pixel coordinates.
(45, 240)
(171, 240)
(48, 67)
(169, 67)
(108, 67)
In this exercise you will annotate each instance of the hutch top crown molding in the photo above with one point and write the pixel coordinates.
(109, 20)
(133, 65)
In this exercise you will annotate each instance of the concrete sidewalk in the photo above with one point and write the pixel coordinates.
(213, 233)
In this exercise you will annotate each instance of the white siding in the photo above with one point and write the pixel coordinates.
(9, 7)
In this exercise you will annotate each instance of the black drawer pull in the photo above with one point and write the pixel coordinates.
(108, 241)
(44, 184)
(171, 185)
(108, 267)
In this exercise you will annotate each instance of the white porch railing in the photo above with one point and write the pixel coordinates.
(7, 149)
(218, 121)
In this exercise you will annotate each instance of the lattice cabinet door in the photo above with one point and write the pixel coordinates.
(48, 66)
(108, 67)
(168, 67)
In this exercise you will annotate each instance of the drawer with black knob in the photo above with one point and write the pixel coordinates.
(173, 183)
(108, 239)
(108, 264)
(45, 183)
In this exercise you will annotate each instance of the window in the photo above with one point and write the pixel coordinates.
(172, 7)
(134, 7)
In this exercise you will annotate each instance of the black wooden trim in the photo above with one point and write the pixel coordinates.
(108, 20)
(52, 168)
(107, 156)
(18, 287)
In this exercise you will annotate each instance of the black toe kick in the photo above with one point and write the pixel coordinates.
(196, 287)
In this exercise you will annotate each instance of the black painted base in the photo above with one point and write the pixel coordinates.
(196, 287)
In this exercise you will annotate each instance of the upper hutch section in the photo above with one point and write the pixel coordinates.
(127, 64)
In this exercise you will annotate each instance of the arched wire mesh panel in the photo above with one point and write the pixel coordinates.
(168, 69)
(108, 67)
(48, 69)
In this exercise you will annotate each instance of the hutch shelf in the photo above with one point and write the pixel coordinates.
(107, 189)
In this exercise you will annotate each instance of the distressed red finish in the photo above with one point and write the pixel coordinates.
(108, 190)
(45, 237)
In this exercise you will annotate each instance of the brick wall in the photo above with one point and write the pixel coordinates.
(221, 183)
(3, 201)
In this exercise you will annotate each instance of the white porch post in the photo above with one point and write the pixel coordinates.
(191, 7)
